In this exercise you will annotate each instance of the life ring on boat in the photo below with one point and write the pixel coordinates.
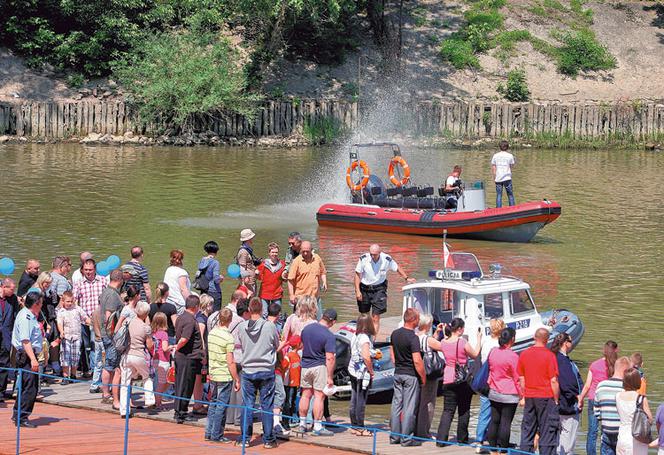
(406, 171)
(365, 175)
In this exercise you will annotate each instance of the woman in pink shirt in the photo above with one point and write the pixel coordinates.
(598, 371)
(457, 395)
(504, 390)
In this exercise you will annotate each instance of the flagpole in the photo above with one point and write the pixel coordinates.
(444, 249)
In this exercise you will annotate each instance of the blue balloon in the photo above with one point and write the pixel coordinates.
(102, 268)
(233, 271)
(7, 266)
(113, 262)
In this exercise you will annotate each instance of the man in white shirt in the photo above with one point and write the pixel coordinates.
(453, 188)
(501, 167)
(371, 282)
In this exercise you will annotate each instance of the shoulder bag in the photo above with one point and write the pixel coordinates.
(480, 381)
(640, 423)
(434, 362)
(461, 372)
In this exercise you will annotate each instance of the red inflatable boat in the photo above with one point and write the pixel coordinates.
(518, 223)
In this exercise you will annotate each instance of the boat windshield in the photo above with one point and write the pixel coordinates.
(466, 262)
(443, 304)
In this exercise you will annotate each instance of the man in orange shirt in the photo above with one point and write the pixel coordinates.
(307, 275)
(538, 377)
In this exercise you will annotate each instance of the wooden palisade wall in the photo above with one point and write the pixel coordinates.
(471, 119)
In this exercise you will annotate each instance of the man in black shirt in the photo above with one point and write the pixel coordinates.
(29, 277)
(409, 377)
(188, 356)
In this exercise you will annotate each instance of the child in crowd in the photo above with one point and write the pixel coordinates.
(161, 357)
(291, 370)
(69, 319)
(247, 284)
(637, 362)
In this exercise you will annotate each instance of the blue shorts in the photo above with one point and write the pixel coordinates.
(112, 361)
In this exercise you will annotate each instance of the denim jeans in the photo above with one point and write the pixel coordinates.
(507, 184)
(96, 363)
(220, 396)
(263, 384)
(591, 440)
(484, 419)
(609, 443)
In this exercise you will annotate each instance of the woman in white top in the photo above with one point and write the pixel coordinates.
(484, 417)
(178, 281)
(626, 404)
(429, 392)
(361, 371)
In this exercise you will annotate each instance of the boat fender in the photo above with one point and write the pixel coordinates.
(365, 175)
(399, 160)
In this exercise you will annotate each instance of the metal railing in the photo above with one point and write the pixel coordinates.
(246, 411)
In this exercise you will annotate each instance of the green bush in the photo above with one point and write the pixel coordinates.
(491, 20)
(478, 37)
(75, 80)
(459, 52)
(580, 51)
(177, 76)
(516, 88)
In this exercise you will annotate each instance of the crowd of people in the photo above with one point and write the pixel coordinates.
(542, 379)
(182, 341)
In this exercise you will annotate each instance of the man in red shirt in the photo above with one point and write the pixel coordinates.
(270, 273)
(538, 377)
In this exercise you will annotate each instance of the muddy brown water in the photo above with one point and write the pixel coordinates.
(600, 259)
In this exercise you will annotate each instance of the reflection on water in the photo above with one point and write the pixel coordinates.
(600, 259)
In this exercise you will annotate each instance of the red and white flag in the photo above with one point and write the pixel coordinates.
(448, 263)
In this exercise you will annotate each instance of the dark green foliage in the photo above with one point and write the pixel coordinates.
(580, 51)
(516, 88)
(179, 75)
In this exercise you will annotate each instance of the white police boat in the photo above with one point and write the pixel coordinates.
(462, 290)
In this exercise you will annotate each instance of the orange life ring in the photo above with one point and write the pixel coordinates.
(365, 175)
(406, 171)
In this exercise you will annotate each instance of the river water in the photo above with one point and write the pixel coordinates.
(600, 259)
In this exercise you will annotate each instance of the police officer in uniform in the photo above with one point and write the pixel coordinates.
(371, 282)
(27, 340)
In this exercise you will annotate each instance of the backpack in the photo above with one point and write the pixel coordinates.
(112, 320)
(201, 281)
(122, 339)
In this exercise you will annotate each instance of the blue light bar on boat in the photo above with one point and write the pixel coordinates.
(448, 274)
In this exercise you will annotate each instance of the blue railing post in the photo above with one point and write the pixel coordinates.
(128, 413)
(373, 450)
(244, 427)
(19, 389)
